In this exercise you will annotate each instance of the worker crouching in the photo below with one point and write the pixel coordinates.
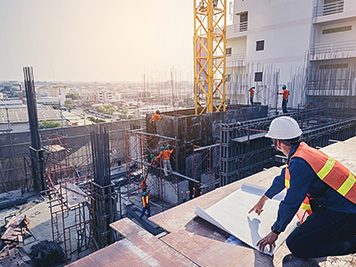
(319, 185)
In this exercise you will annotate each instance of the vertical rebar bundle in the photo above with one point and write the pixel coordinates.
(35, 148)
(104, 192)
(101, 154)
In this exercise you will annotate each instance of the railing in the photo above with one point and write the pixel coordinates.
(328, 9)
(235, 57)
(241, 27)
(339, 46)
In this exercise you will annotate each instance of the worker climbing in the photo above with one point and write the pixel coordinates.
(318, 184)
(166, 155)
(154, 162)
(285, 95)
(252, 93)
(145, 204)
(155, 117)
(143, 182)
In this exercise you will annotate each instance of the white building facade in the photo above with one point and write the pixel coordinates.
(308, 45)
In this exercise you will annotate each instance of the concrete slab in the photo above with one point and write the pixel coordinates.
(195, 242)
(139, 248)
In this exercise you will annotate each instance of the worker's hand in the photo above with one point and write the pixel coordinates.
(269, 239)
(258, 208)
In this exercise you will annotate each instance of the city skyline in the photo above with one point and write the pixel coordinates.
(91, 40)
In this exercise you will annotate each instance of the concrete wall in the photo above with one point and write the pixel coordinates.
(201, 130)
(174, 190)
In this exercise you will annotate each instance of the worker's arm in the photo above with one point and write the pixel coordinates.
(302, 175)
(160, 154)
(276, 187)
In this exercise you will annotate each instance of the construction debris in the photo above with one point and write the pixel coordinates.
(47, 253)
(15, 231)
(13, 257)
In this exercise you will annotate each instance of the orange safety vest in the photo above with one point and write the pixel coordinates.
(167, 154)
(252, 92)
(146, 200)
(285, 94)
(332, 172)
(155, 117)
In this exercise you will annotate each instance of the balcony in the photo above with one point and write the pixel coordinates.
(240, 27)
(340, 49)
(237, 30)
(333, 7)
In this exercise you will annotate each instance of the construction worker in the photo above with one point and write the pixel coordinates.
(318, 184)
(143, 182)
(309, 105)
(285, 95)
(145, 204)
(156, 116)
(154, 163)
(252, 93)
(166, 155)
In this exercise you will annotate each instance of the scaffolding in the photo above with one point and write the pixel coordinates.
(139, 146)
(206, 161)
(70, 198)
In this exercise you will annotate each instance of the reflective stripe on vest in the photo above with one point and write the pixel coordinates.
(332, 172)
(306, 202)
(145, 201)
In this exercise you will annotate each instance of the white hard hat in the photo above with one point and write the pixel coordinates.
(284, 128)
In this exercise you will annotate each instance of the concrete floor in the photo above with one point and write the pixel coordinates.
(201, 243)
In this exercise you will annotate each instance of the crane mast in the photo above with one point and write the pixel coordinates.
(209, 55)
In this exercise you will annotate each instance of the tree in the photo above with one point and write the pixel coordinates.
(72, 95)
(69, 104)
(49, 124)
(96, 120)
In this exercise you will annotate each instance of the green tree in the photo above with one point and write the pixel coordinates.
(108, 109)
(96, 120)
(49, 124)
(72, 95)
(69, 104)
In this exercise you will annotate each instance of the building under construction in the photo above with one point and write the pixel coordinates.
(90, 176)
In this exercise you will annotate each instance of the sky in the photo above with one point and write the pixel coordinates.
(95, 40)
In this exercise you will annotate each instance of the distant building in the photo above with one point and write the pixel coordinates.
(308, 45)
(10, 102)
(104, 96)
(15, 118)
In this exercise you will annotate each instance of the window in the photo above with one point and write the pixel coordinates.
(228, 77)
(228, 51)
(333, 6)
(339, 29)
(258, 76)
(243, 21)
(260, 45)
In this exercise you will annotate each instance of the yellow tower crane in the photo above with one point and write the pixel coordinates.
(209, 55)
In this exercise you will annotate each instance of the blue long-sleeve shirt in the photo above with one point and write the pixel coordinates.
(304, 180)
